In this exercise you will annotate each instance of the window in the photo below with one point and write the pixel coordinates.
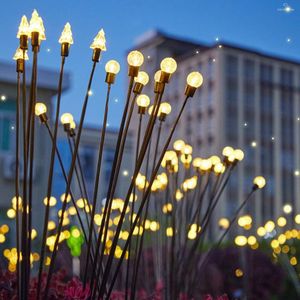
(7, 123)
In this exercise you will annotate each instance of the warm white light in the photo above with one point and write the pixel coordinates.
(259, 181)
(19, 54)
(66, 118)
(99, 41)
(168, 65)
(112, 67)
(194, 79)
(178, 145)
(239, 154)
(165, 108)
(36, 25)
(143, 100)
(135, 58)
(40, 108)
(66, 35)
(23, 27)
(227, 151)
(287, 208)
(142, 78)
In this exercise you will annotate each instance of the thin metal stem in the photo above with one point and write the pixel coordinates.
(70, 176)
(144, 198)
(50, 177)
(96, 185)
(17, 178)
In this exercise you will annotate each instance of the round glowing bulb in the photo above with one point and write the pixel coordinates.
(259, 181)
(66, 118)
(135, 58)
(194, 79)
(165, 108)
(238, 154)
(40, 108)
(178, 145)
(143, 100)
(168, 65)
(227, 151)
(197, 162)
(187, 149)
(287, 208)
(215, 159)
(112, 67)
(157, 76)
(52, 201)
(142, 78)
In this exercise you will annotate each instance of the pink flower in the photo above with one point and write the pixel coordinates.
(75, 290)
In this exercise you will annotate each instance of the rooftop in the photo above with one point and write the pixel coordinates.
(184, 48)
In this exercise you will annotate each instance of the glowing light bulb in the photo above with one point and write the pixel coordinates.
(197, 162)
(66, 35)
(259, 181)
(99, 41)
(135, 58)
(219, 168)
(52, 201)
(224, 223)
(240, 240)
(168, 65)
(23, 27)
(19, 54)
(143, 100)
(40, 108)
(112, 67)
(178, 145)
(215, 159)
(157, 76)
(227, 151)
(73, 125)
(165, 108)
(194, 79)
(37, 25)
(238, 154)
(66, 118)
(205, 165)
(287, 208)
(188, 149)
(142, 78)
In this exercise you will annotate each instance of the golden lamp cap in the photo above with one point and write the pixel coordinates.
(135, 58)
(19, 54)
(157, 76)
(66, 35)
(99, 41)
(23, 27)
(37, 25)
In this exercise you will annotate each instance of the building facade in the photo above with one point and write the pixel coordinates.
(46, 91)
(248, 100)
(88, 156)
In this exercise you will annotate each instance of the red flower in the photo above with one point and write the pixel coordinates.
(75, 290)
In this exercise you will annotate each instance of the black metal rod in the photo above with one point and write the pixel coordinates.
(50, 177)
(96, 185)
(126, 202)
(70, 176)
(107, 207)
(145, 197)
(17, 178)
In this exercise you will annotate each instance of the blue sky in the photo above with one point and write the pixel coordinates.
(255, 23)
